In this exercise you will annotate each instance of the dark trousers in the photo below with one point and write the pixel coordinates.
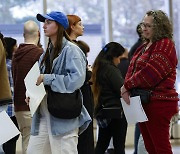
(10, 146)
(86, 141)
(136, 137)
(116, 129)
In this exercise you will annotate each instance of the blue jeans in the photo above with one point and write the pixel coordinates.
(136, 138)
(1, 150)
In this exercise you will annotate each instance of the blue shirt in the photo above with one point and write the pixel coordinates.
(10, 109)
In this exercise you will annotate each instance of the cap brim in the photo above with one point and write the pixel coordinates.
(42, 18)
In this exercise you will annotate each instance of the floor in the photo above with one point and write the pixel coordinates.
(129, 142)
(129, 149)
(176, 150)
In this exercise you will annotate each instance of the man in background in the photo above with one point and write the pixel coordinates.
(23, 60)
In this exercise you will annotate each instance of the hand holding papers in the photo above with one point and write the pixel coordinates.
(36, 93)
(7, 128)
(134, 112)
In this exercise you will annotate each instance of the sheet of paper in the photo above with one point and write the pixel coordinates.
(7, 128)
(36, 93)
(134, 112)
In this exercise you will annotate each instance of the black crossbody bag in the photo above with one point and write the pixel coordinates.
(64, 105)
(145, 95)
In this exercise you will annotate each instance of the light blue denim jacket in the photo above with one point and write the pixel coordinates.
(65, 82)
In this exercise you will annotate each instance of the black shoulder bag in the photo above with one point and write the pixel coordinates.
(144, 94)
(64, 105)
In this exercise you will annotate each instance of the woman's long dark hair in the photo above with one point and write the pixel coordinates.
(58, 44)
(106, 55)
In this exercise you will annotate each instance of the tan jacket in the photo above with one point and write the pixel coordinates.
(5, 92)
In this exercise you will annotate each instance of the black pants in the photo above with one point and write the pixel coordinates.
(116, 129)
(10, 146)
(86, 139)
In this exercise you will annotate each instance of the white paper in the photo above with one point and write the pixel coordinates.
(36, 93)
(8, 129)
(134, 112)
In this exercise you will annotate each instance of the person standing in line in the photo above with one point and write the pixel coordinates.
(5, 90)
(10, 46)
(124, 64)
(23, 59)
(86, 139)
(107, 81)
(133, 49)
(51, 135)
(153, 67)
(123, 67)
(138, 43)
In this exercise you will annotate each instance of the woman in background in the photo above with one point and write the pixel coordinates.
(107, 81)
(10, 46)
(86, 139)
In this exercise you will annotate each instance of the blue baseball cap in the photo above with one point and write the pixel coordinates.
(59, 17)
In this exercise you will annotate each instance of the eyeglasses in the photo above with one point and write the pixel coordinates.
(146, 25)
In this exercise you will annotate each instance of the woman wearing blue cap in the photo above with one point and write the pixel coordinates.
(51, 135)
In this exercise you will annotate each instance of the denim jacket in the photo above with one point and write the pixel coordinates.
(65, 81)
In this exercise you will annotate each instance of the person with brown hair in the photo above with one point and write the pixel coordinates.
(75, 28)
(86, 139)
(10, 45)
(5, 91)
(49, 134)
(153, 67)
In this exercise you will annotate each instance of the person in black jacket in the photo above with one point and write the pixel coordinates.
(123, 67)
(138, 43)
(130, 55)
(124, 64)
(107, 81)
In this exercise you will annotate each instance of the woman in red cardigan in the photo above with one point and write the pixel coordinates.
(153, 67)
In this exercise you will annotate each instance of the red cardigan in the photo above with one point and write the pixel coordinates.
(154, 69)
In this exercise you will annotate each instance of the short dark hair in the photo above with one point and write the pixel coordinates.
(9, 45)
(139, 30)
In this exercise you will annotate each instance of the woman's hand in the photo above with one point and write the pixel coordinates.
(40, 79)
(27, 100)
(125, 95)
